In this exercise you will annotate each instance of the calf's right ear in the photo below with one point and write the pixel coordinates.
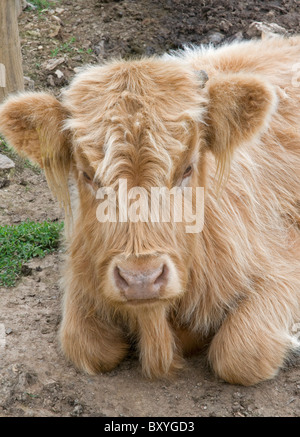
(32, 123)
(240, 108)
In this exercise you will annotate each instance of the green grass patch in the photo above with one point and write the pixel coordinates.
(42, 4)
(20, 243)
(69, 47)
(6, 149)
(66, 47)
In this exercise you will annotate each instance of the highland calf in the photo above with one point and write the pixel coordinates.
(225, 119)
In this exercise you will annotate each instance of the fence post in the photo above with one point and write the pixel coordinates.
(11, 70)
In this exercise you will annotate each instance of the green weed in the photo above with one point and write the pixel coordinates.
(42, 4)
(20, 243)
(64, 48)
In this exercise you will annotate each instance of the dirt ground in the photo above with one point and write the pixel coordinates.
(35, 379)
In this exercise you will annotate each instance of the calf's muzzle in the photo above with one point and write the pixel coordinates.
(141, 281)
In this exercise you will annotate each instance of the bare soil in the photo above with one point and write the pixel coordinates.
(35, 379)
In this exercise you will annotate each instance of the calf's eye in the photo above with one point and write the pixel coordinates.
(188, 171)
(86, 177)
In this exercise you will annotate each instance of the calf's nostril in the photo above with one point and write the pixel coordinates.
(120, 280)
(162, 277)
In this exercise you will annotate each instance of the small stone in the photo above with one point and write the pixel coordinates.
(78, 410)
(59, 74)
(50, 80)
(7, 167)
(6, 163)
(77, 69)
(55, 31)
(16, 368)
(28, 5)
(216, 38)
(260, 29)
(29, 83)
(51, 64)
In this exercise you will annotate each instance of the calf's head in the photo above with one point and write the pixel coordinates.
(147, 123)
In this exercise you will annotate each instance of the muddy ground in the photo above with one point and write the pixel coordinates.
(35, 379)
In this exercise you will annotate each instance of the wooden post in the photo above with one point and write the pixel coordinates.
(11, 71)
(19, 6)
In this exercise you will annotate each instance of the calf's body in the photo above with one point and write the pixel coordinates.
(225, 119)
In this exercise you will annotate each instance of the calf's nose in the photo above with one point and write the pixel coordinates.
(138, 283)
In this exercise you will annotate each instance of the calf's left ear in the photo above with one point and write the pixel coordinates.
(239, 109)
(32, 123)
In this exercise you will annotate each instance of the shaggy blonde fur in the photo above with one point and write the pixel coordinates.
(236, 285)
